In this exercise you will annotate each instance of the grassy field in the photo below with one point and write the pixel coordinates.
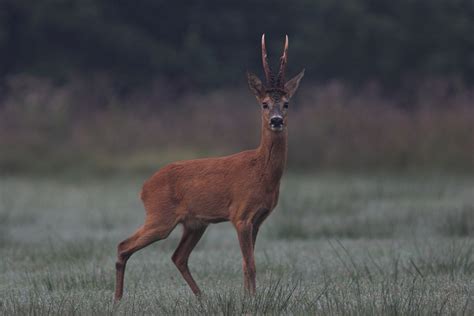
(336, 244)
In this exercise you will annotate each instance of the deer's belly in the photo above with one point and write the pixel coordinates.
(212, 200)
(209, 206)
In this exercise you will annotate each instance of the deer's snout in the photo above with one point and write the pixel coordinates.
(276, 123)
(276, 120)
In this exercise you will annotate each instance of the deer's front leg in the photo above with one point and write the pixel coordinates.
(261, 215)
(244, 231)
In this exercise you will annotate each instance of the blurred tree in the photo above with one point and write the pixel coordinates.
(211, 43)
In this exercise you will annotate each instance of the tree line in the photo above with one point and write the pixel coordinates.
(211, 43)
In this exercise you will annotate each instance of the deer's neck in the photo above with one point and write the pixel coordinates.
(272, 153)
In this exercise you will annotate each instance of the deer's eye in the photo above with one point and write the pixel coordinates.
(285, 105)
(265, 105)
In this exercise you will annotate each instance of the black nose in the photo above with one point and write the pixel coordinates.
(276, 121)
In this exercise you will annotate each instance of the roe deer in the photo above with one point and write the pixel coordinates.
(242, 188)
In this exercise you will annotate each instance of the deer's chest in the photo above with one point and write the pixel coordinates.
(264, 196)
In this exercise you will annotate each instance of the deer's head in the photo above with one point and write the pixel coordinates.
(275, 95)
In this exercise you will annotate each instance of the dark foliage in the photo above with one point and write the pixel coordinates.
(211, 43)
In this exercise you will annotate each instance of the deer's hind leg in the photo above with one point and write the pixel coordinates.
(153, 230)
(189, 240)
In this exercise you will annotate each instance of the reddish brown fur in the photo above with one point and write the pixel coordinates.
(242, 188)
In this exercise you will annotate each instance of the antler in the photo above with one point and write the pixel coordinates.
(266, 66)
(283, 61)
(268, 71)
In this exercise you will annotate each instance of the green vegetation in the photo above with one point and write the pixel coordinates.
(336, 244)
(105, 86)
(46, 130)
(209, 43)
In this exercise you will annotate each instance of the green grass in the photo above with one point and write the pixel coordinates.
(335, 245)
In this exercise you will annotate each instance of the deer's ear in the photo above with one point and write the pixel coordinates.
(292, 85)
(255, 85)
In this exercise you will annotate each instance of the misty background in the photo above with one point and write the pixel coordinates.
(110, 86)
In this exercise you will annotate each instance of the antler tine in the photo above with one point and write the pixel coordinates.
(283, 62)
(266, 66)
